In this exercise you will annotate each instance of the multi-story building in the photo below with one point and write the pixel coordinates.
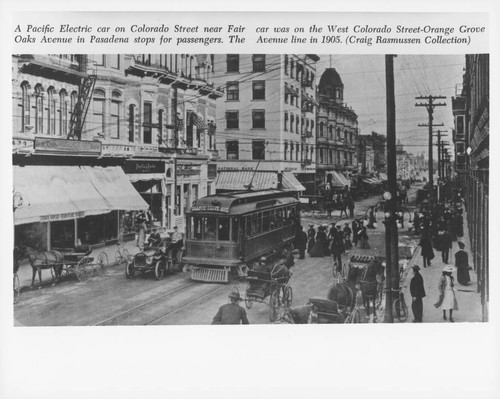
(150, 118)
(266, 119)
(337, 131)
(473, 130)
(460, 140)
(371, 152)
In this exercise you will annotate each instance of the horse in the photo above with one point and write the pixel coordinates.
(45, 260)
(368, 284)
(344, 293)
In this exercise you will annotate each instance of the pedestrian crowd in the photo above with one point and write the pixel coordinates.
(439, 227)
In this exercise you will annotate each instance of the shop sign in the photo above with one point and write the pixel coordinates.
(144, 167)
(62, 216)
(45, 144)
(187, 169)
(210, 208)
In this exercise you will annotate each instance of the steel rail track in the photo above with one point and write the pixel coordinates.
(144, 304)
(186, 304)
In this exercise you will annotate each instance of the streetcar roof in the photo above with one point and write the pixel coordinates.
(240, 202)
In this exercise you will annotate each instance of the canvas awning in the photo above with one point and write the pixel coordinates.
(114, 186)
(53, 193)
(382, 176)
(261, 180)
(338, 179)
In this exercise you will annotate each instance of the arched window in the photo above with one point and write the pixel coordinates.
(131, 123)
(115, 112)
(330, 132)
(63, 113)
(321, 128)
(25, 106)
(292, 120)
(39, 109)
(285, 152)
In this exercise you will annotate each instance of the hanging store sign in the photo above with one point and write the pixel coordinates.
(144, 167)
(187, 169)
(63, 146)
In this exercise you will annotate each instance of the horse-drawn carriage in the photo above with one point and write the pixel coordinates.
(77, 262)
(159, 259)
(346, 301)
(274, 285)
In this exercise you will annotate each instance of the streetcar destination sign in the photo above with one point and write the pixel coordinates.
(209, 208)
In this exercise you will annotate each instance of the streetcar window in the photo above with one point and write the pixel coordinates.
(279, 217)
(255, 224)
(265, 220)
(272, 223)
(210, 228)
(223, 230)
(235, 232)
(248, 226)
(196, 227)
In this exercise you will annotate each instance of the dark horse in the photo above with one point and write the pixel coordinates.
(363, 279)
(45, 260)
(344, 293)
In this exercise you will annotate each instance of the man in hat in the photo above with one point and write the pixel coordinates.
(177, 241)
(445, 244)
(231, 313)
(417, 292)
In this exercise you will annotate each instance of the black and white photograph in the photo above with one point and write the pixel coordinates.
(154, 188)
(262, 204)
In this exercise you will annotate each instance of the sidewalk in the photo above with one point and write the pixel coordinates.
(469, 301)
(25, 271)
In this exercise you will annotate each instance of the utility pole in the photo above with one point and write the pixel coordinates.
(430, 109)
(391, 230)
(440, 161)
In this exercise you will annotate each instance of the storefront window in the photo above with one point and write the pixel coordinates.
(62, 234)
(91, 230)
(33, 235)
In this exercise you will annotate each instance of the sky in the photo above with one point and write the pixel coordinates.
(414, 75)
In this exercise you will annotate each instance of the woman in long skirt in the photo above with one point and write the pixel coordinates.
(363, 238)
(447, 299)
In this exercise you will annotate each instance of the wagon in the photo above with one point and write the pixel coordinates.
(272, 286)
(79, 262)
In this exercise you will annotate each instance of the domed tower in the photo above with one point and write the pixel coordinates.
(330, 86)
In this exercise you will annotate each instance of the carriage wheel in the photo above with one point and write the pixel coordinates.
(129, 270)
(17, 288)
(102, 263)
(119, 258)
(159, 270)
(81, 269)
(400, 310)
(287, 297)
(274, 304)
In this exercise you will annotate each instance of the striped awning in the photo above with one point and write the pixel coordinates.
(197, 120)
(260, 180)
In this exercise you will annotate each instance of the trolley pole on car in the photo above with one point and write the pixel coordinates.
(391, 231)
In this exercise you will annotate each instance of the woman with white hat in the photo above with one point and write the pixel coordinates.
(447, 299)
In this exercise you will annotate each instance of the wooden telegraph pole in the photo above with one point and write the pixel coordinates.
(391, 230)
(430, 109)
